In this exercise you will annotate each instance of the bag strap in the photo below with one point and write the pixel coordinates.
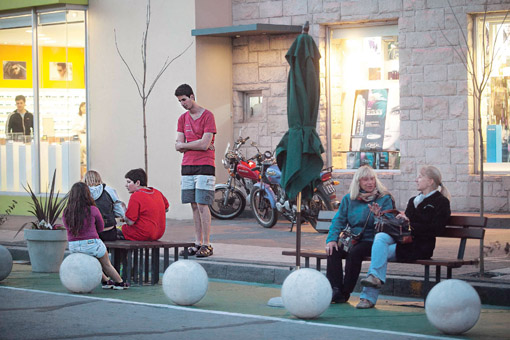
(390, 211)
(365, 226)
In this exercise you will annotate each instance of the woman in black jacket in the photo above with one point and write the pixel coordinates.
(428, 214)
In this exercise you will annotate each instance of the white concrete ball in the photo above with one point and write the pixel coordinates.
(80, 273)
(306, 293)
(185, 282)
(5, 262)
(453, 306)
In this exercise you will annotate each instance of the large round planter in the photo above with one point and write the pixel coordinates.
(46, 249)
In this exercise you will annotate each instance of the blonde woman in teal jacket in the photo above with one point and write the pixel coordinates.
(365, 189)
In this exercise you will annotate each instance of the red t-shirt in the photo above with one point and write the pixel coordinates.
(146, 208)
(194, 130)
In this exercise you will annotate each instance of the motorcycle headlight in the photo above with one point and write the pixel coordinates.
(225, 163)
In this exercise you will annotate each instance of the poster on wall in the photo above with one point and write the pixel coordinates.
(369, 120)
(14, 70)
(61, 71)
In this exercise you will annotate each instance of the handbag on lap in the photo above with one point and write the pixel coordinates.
(398, 228)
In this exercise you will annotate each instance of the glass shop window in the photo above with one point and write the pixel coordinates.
(495, 114)
(252, 105)
(364, 97)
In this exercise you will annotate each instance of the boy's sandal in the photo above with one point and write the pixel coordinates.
(205, 251)
(191, 250)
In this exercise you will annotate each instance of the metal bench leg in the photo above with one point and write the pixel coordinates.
(318, 265)
(155, 266)
(129, 260)
(176, 253)
(307, 262)
(140, 268)
(426, 281)
(135, 265)
(166, 260)
(146, 278)
(438, 274)
(448, 273)
(186, 253)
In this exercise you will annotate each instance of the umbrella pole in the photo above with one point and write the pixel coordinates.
(298, 232)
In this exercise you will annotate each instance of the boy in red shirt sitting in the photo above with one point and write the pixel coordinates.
(146, 211)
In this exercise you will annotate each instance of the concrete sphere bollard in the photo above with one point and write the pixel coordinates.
(453, 306)
(80, 273)
(5, 262)
(185, 282)
(306, 293)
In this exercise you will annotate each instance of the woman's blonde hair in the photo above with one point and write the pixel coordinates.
(434, 174)
(365, 171)
(92, 178)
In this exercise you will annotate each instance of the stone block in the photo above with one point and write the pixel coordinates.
(460, 155)
(435, 72)
(327, 18)
(458, 107)
(315, 6)
(435, 108)
(407, 103)
(412, 5)
(450, 125)
(429, 19)
(390, 6)
(496, 204)
(414, 70)
(240, 41)
(457, 189)
(449, 140)
(432, 56)
(278, 124)
(416, 148)
(433, 143)
(243, 11)
(428, 88)
(462, 88)
(269, 58)
(429, 129)
(250, 273)
(415, 115)
(269, 9)
(253, 57)
(417, 78)
(245, 73)
(279, 90)
(295, 7)
(240, 54)
(258, 43)
(406, 24)
(361, 7)
(280, 21)
(450, 37)
(437, 156)
(277, 105)
(280, 42)
(457, 72)
(420, 39)
(215, 270)
(272, 74)
(408, 129)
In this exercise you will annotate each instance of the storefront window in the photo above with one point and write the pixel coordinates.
(364, 97)
(496, 97)
(51, 80)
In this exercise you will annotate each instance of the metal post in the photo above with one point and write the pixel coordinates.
(298, 232)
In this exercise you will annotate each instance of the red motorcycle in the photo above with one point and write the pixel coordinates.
(230, 198)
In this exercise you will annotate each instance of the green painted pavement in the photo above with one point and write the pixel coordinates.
(395, 314)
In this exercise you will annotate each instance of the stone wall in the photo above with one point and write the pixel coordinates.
(436, 125)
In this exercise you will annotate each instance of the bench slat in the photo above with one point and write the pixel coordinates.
(467, 221)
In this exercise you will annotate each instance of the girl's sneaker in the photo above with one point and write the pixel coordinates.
(120, 285)
(107, 284)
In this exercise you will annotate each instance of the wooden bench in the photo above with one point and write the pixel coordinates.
(458, 227)
(134, 257)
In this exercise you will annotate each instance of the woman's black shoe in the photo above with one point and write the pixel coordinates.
(338, 296)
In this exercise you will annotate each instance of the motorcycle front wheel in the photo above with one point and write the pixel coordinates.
(264, 213)
(234, 207)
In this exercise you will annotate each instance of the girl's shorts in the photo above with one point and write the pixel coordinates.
(93, 247)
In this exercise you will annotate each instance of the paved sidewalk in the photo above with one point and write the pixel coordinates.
(243, 250)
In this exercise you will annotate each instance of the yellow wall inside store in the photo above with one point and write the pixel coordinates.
(73, 55)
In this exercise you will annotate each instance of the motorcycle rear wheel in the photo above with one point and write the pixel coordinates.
(264, 213)
(318, 203)
(234, 207)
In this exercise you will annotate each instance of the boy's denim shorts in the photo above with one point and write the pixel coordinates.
(93, 247)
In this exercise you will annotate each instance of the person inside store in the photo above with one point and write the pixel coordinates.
(108, 203)
(20, 121)
(354, 211)
(80, 130)
(145, 216)
(196, 130)
(427, 213)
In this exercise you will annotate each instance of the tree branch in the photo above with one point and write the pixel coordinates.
(125, 63)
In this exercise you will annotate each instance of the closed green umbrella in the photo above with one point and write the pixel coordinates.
(299, 152)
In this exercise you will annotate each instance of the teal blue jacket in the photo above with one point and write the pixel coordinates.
(355, 214)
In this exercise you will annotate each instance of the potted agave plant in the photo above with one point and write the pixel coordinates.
(46, 240)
